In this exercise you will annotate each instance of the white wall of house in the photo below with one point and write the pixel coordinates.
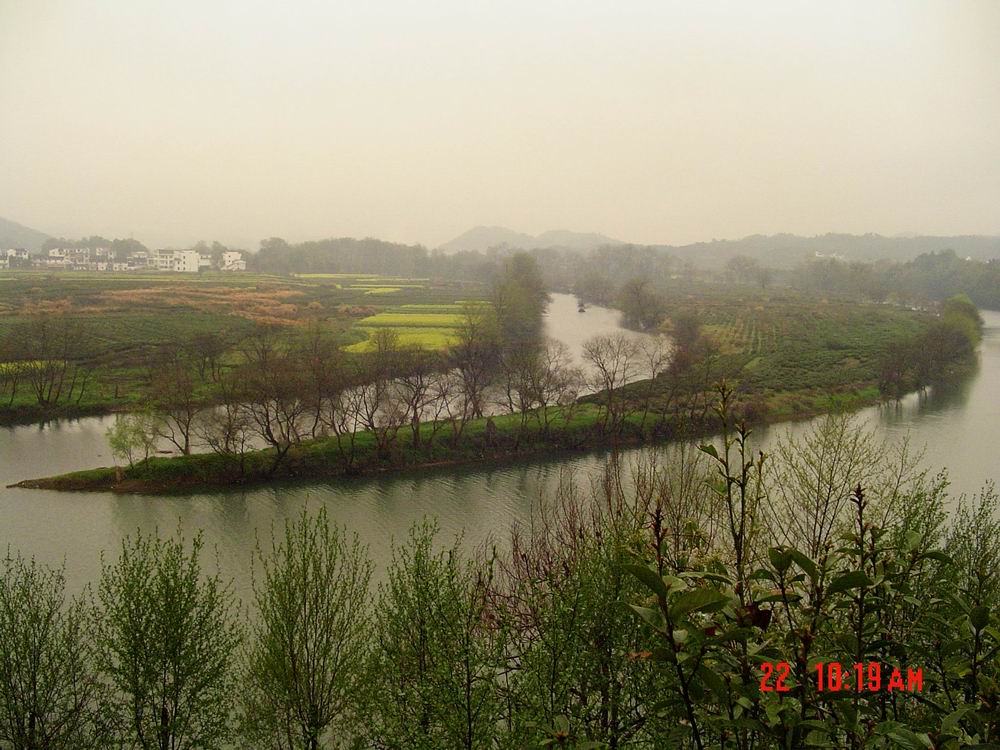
(186, 261)
(164, 260)
(233, 261)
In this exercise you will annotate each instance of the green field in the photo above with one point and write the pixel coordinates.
(127, 317)
(430, 326)
(790, 353)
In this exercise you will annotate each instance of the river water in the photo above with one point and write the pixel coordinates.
(958, 425)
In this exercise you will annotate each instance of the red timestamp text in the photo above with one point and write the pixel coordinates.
(863, 677)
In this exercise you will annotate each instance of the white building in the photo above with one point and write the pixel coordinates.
(57, 258)
(186, 261)
(163, 260)
(16, 258)
(205, 260)
(233, 261)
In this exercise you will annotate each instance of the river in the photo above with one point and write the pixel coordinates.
(959, 425)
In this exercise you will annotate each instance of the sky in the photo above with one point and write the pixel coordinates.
(654, 122)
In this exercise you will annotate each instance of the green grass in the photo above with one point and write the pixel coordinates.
(426, 326)
(413, 320)
(420, 336)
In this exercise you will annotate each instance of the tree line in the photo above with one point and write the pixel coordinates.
(634, 611)
(51, 357)
(949, 342)
(399, 404)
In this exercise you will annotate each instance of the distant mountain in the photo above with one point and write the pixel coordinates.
(13, 234)
(484, 238)
(575, 240)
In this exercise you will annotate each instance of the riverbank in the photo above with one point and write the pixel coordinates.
(484, 440)
(785, 359)
(33, 414)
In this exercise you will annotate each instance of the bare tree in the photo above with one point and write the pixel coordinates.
(518, 368)
(555, 381)
(418, 370)
(227, 429)
(324, 375)
(655, 353)
(454, 403)
(275, 393)
(343, 416)
(206, 351)
(441, 397)
(173, 399)
(475, 356)
(10, 371)
(381, 409)
(48, 352)
(614, 361)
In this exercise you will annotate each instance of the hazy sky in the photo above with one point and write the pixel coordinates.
(413, 121)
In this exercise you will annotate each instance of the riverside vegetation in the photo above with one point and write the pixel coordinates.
(632, 612)
(300, 406)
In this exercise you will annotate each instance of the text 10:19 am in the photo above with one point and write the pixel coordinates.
(834, 677)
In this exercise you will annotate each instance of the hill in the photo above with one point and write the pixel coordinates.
(484, 238)
(785, 250)
(13, 234)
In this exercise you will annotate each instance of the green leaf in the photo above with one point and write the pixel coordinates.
(805, 563)
(697, 600)
(714, 682)
(951, 721)
(908, 739)
(650, 616)
(710, 450)
(979, 617)
(649, 578)
(936, 554)
(854, 579)
(780, 559)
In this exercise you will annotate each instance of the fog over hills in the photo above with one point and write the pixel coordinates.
(483, 238)
(13, 234)
(788, 249)
(776, 249)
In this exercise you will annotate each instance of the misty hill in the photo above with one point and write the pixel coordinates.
(13, 234)
(783, 250)
(485, 238)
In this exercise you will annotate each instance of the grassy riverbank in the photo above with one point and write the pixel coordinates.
(783, 358)
(497, 438)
